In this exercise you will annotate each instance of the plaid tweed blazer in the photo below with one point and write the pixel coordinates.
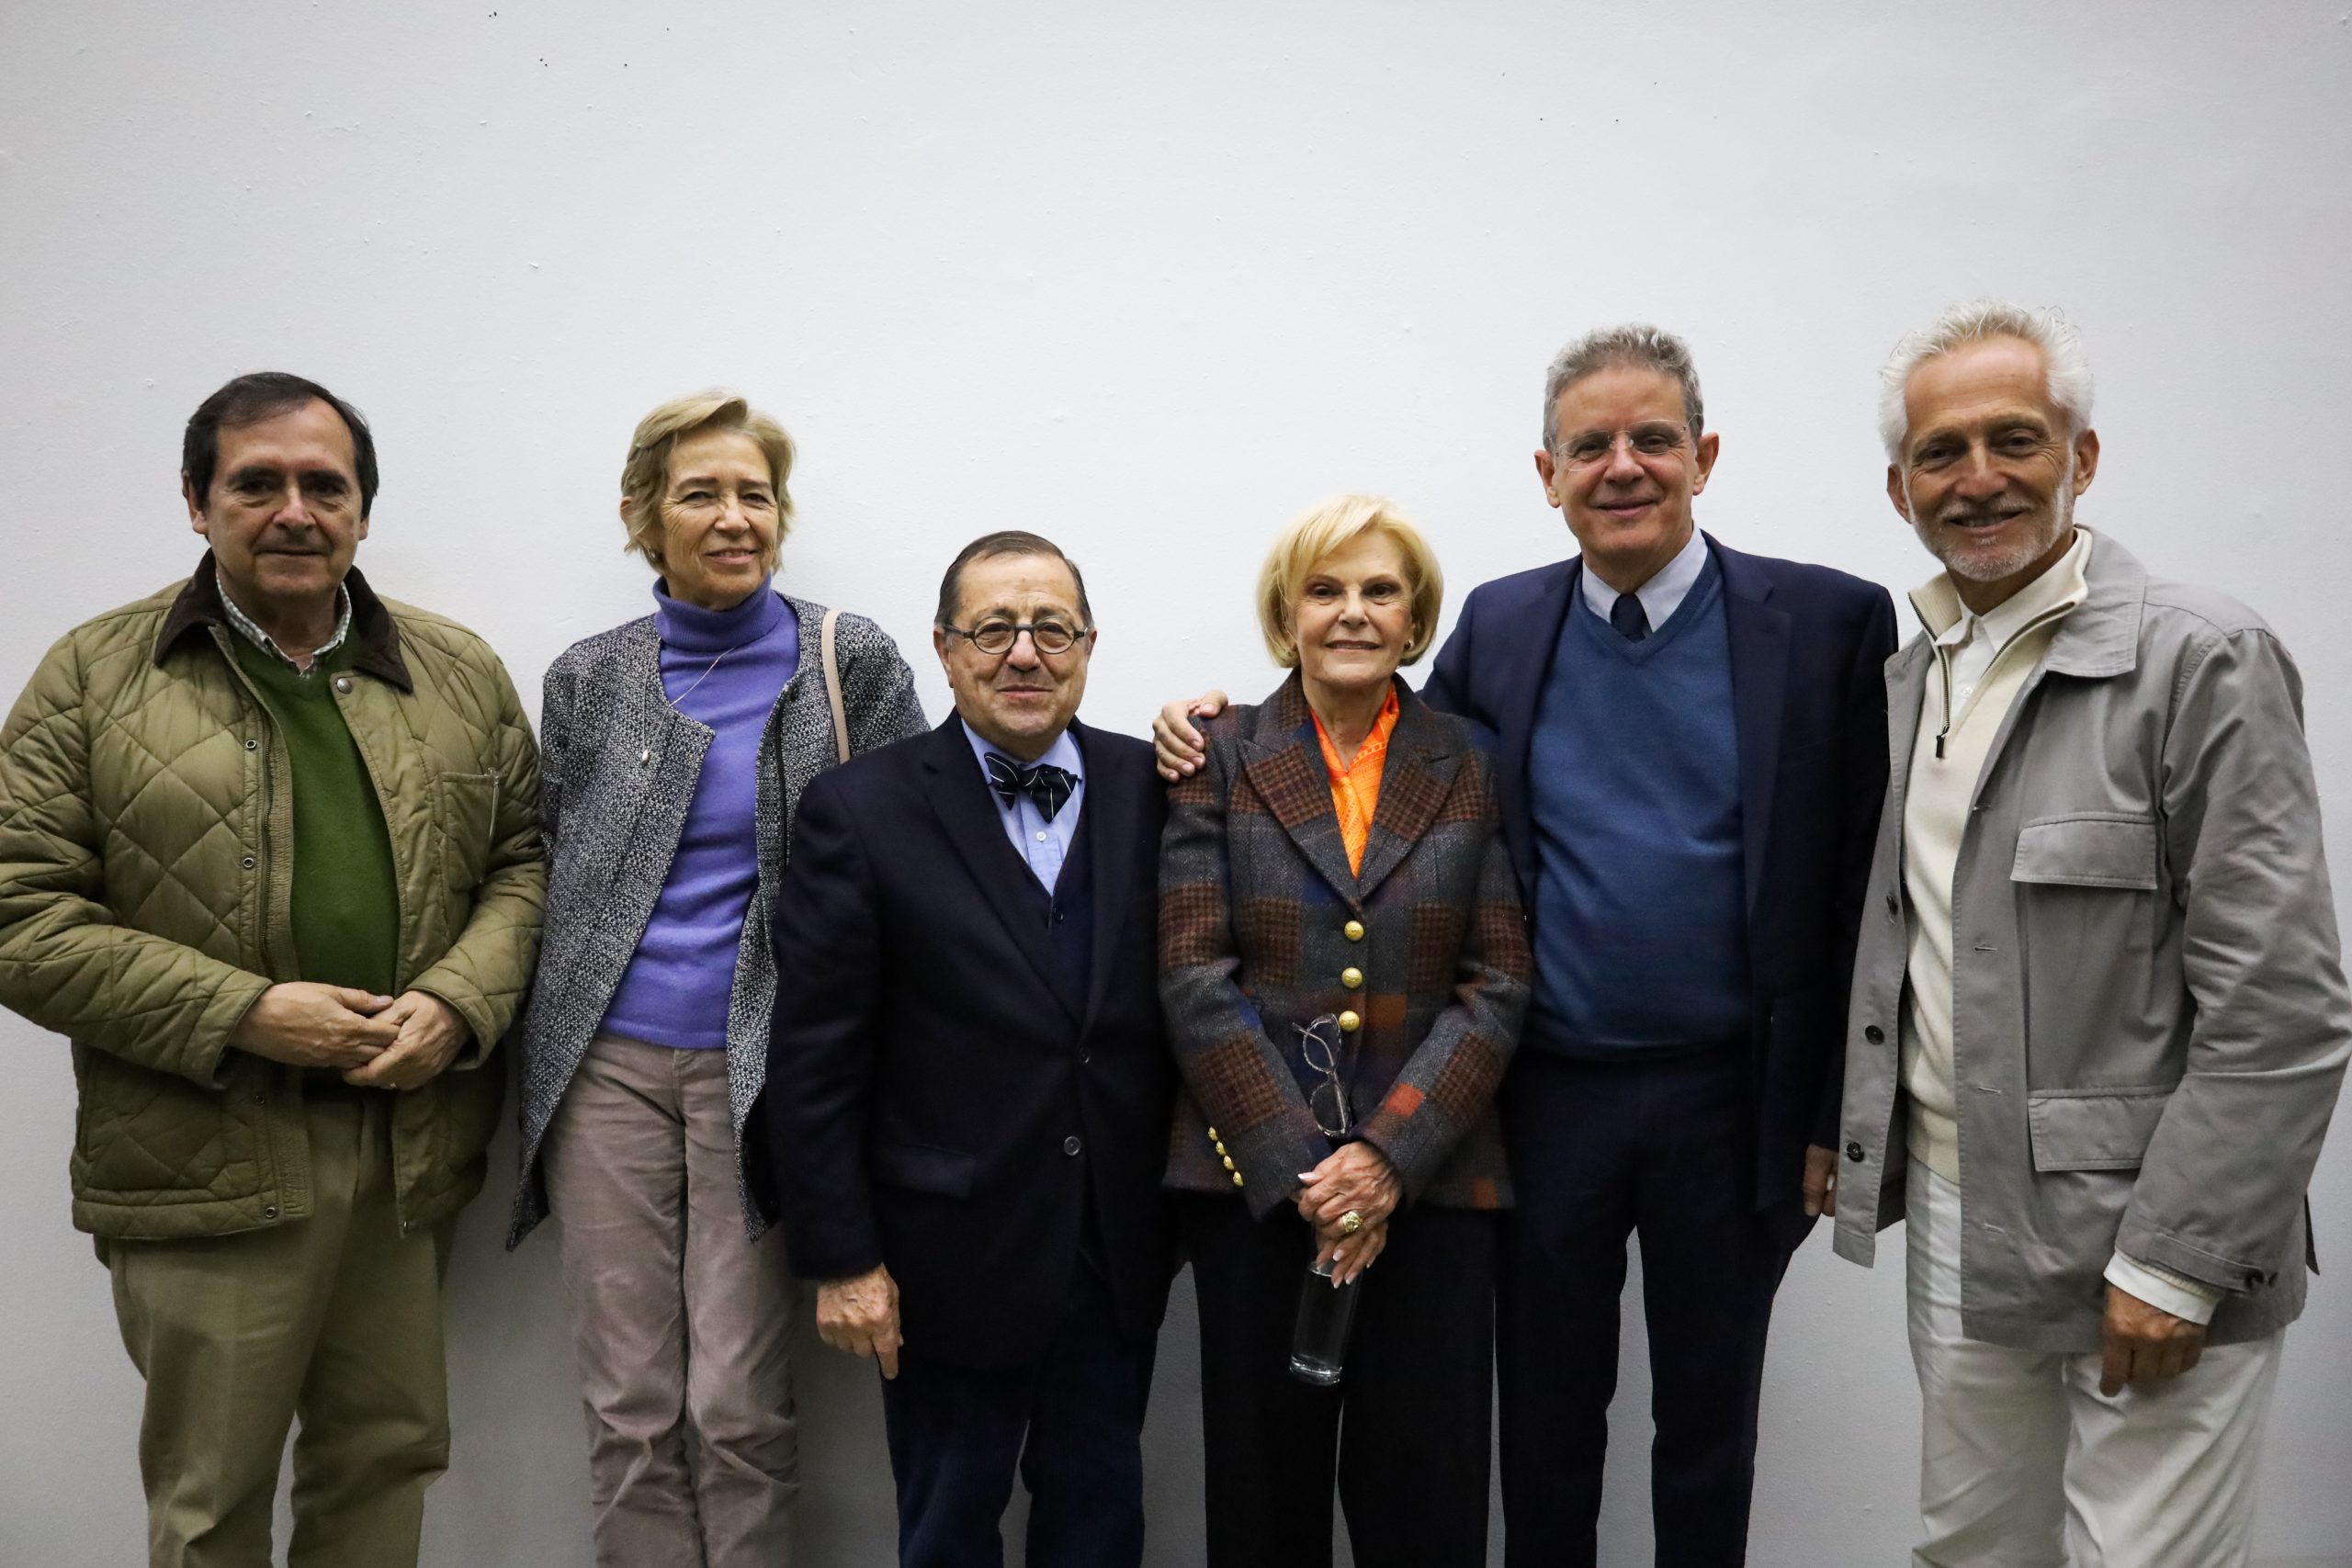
(1255, 903)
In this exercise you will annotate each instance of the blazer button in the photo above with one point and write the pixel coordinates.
(1237, 1178)
(1351, 977)
(1211, 1134)
(1874, 1034)
(1350, 1024)
(1854, 1151)
(1228, 1162)
(1352, 930)
(1071, 1145)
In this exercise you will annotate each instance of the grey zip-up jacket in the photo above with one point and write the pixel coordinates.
(618, 767)
(2150, 1020)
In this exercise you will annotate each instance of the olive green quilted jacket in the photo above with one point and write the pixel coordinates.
(145, 817)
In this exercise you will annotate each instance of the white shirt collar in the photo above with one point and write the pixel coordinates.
(1663, 594)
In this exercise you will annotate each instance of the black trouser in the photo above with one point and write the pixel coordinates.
(1069, 1422)
(1411, 1463)
(1664, 1150)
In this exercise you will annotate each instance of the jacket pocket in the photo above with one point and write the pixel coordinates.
(2088, 848)
(466, 808)
(2094, 1129)
(146, 1137)
(918, 1167)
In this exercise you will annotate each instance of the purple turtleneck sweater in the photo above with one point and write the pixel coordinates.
(675, 989)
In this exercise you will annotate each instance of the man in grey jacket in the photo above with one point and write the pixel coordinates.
(2099, 1017)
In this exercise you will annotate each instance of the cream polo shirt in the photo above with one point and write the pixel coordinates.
(1983, 662)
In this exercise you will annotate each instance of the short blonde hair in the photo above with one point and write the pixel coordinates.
(1323, 529)
(647, 472)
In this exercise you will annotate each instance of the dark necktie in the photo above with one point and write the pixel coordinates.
(1628, 615)
(1047, 786)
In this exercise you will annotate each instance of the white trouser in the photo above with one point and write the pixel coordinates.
(2023, 1464)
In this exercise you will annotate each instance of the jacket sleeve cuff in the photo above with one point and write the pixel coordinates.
(849, 1251)
(466, 1003)
(1406, 1156)
(1272, 1161)
(207, 1046)
(2166, 1291)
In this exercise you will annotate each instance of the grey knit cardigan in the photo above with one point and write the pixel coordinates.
(618, 767)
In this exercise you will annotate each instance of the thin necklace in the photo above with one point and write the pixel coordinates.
(706, 669)
(681, 696)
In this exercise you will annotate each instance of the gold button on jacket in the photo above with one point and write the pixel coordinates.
(1350, 1022)
(1351, 977)
(1352, 930)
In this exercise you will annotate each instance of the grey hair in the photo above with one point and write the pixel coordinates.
(1636, 343)
(2068, 372)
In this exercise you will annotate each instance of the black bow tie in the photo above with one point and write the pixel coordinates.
(1047, 787)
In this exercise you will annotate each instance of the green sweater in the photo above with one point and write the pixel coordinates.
(346, 914)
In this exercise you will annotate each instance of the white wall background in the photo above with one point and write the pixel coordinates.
(1148, 279)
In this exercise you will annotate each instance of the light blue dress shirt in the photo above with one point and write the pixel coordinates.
(1043, 845)
(1663, 594)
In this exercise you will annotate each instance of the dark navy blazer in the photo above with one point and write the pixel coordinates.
(1808, 649)
(937, 1099)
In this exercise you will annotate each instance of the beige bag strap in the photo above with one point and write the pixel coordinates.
(834, 686)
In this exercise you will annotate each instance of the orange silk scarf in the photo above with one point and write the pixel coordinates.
(1355, 786)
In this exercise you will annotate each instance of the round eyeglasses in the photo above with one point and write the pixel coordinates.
(996, 636)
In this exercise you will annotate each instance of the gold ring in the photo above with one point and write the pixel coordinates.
(1350, 1223)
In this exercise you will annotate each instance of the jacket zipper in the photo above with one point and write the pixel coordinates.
(1943, 664)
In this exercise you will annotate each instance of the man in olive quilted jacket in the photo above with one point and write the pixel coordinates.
(269, 860)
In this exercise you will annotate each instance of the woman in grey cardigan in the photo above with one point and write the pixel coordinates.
(674, 750)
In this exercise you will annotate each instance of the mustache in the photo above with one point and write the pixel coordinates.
(1965, 514)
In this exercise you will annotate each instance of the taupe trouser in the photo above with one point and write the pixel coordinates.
(335, 1320)
(682, 1323)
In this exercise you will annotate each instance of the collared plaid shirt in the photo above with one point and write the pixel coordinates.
(251, 631)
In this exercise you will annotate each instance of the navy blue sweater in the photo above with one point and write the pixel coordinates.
(1633, 781)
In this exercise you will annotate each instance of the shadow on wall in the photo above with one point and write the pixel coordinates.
(516, 1495)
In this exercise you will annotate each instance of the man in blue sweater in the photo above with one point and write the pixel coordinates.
(1690, 743)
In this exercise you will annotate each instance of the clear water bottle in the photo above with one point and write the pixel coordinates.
(1319, 1347)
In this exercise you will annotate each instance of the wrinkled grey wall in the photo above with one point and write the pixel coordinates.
(1148, 278)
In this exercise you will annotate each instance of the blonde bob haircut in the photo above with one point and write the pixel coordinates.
(1323, 529)
(647, 473)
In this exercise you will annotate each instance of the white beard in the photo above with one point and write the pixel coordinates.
(1980, 567)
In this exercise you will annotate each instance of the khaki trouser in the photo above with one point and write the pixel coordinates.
(335, 1320)
(681, 1325)
(2025, 1464)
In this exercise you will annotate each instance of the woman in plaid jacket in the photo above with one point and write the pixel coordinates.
(1343, 966)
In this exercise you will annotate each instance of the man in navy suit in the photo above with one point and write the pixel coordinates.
(969, 1090)
(1691, 750)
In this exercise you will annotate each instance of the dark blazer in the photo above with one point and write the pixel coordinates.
(1256, 907)
(1808, 649)
(932, 1103)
